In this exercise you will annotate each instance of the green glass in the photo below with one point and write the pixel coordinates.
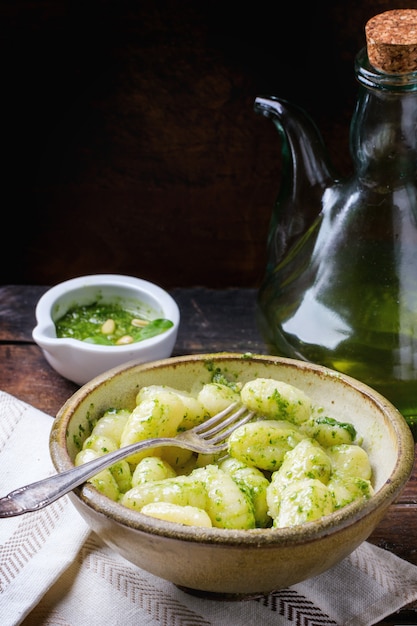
(340, 287)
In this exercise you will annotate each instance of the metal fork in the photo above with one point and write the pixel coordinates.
(208, 437)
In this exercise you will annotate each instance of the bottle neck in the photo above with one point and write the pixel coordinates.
(371, 78)
(383, 133)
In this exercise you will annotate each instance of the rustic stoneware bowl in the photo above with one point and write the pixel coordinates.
(227, 563)
(80, 361)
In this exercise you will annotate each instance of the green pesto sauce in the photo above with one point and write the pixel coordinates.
(85, 324)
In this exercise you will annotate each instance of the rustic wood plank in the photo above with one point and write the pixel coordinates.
(17, 311)
(397, 531)
(26, 375)
(209, 321)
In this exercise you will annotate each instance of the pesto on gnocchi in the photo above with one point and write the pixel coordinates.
(289, 465)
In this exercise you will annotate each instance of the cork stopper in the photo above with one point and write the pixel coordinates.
(392, 41)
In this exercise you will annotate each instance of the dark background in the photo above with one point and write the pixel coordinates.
(128, 137)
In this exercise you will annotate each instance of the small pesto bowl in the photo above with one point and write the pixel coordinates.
(225, 563)
(80, 361)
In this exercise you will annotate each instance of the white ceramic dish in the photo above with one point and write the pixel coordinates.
(80, 361)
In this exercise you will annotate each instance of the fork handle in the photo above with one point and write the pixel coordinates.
(39, 494)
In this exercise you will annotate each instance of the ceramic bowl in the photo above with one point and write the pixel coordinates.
(80, 361)
(223, 563)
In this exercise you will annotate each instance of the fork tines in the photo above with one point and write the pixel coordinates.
(223, 426)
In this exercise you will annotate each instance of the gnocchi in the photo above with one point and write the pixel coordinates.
(228, 506)
(276, 400)
(263, 443)
(303, 501)
(255, 483)
(289, 465)
(188, 515)
(155, 416)
(181, 490)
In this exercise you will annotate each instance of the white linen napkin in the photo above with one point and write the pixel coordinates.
(35, 548)
(54, 572)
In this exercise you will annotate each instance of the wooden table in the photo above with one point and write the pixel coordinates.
(211, 321)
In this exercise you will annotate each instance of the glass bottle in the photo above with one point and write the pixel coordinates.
(343, 291)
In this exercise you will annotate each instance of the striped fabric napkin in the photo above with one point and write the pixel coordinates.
(55, 572)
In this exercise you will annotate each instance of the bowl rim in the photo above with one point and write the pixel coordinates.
(309, 531)
(45, 322)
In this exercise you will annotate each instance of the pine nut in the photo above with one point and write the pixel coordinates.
(108, 327)
(124, 340)
(139, 323)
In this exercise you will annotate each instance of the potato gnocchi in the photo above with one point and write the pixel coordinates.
(289, 465)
